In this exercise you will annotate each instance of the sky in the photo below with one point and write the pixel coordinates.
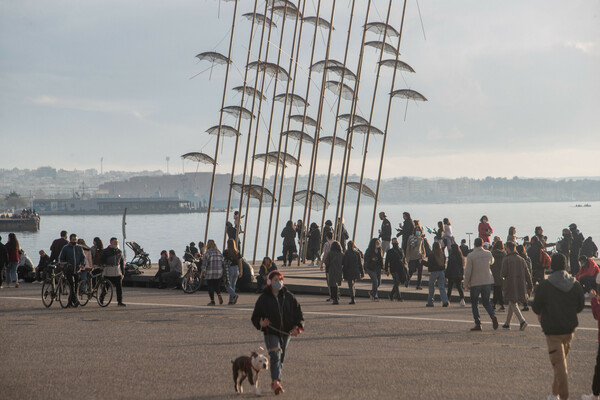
(512, 87)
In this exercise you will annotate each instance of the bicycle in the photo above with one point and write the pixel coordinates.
(56, 287)
(95, 286)
(191, 280)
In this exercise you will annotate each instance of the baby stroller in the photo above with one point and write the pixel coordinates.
(140, 259)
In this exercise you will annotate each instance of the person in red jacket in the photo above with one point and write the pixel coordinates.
(485, 229)
(587, 274)
(596, 381)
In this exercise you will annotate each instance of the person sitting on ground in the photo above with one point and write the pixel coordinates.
(588, 272)
(163, 269)
(42, 267)
(557, 302)
(173, 277)
(265, 269)
(25, 270)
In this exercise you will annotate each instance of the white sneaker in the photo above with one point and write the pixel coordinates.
(553, 397)
(462, 303)
(587, 295)
(589, 397)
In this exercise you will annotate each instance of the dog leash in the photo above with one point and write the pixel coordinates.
(277, 330)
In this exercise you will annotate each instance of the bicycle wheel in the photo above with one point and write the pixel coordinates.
(191, 282)
(84, 291)
(105, 293)
(64, 293)
(47, 293)
(148, 264)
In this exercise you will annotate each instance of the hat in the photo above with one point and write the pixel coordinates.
(558, 263)
(273, 273)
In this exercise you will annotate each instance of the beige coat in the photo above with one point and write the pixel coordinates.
(517, 279)
(477, 271)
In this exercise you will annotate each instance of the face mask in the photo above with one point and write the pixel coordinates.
(278, 285)
(377, 245)
(72, 243)
(417, 233)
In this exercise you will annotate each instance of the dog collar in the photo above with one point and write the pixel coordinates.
(249, 361)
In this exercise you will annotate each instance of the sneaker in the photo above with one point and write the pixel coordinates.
(506, 326)
(462, 302)
(553, 397)
(335, 302)
(391, 297)
(328, 299)
(276, 387)
(17, 286)
(526, 308)
(428, 305)
(235, 299)
(477, 327)
(399, 299)
(376, 299)
(494, 322)
(419, 288)
(502, 309)
(589, 397)
(212, 303)
(523, 326)
(122, 305)
(445, 305)
(352, 302)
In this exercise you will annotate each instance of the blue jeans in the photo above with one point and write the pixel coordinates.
(234, 272)
(11, 272)
(276, 346)
(440, 277)
(375, 281)
(485, 291)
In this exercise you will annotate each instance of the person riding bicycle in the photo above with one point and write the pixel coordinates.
(73, 255)
(112, 261)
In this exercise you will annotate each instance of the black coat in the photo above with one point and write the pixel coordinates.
(394, 259)
(455, 268)
(284, 312)
(289, 237)
(588, 248)
(3, 256)
(373, 260)
(386, 230)
(557, 307)
(352, 266)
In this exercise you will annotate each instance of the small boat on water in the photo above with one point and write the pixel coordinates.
(583, 205)
(29, 224)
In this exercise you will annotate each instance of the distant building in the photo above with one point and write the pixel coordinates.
(112, 206)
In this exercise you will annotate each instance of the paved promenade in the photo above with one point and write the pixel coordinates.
(168, 345)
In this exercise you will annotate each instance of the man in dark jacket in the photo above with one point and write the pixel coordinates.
(557, 302)
(40, 270)
(3, 259)
(394, 264)
(57, 246)
(589, 248)
(73, 255)
(385, 233)
(575, 248)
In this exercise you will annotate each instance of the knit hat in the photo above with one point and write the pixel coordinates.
(272, 275)
(558, 263)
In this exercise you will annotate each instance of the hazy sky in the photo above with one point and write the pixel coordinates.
(513, 86)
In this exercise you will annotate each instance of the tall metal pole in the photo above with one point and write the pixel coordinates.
(364, 162)
(387, 120)
(337, 113)
(212, 180)
(350, 135)
(264, 176)
(239, 125)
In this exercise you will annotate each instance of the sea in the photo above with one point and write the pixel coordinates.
(158, 232)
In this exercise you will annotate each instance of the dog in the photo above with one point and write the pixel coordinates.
(248, 367)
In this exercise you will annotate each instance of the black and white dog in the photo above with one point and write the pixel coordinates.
(248, 367)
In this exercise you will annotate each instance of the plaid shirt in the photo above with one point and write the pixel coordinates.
(212, 264)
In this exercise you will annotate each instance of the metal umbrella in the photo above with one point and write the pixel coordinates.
(226, 130)
(318, 200)
(199, 158)
(365, 189)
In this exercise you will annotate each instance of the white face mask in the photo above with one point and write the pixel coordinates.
(277, 285)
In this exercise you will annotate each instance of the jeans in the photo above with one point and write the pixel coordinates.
(234, 273)
(440, 278)
(558, 349)
(11, 272)
(375, 282)
(276, 346)
(415, 266)
(484, 290)
(396, 289)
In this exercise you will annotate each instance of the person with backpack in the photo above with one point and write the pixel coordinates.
(557, 302)
(394, 264)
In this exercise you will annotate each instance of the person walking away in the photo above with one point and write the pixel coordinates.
(479, 280)
(485, 229)
(3, 262)
(314, 244)
(575, 248)
(57, 246)
(448, 236)
(557, 302)
(301, 234)
(373, 266)
(588, 273)
(326, 229)
(563, 246)
(233, 261)
(212, 271)
(523, 254)
(415, 254)
(589, 248)
(498, 253)
(436, 264)
(265, 269)
(73, 255)
(464, 248)
(512, 235)
(535, 255)
(406, 231)
(112, 261)
(278, 315)
(333, 268)
(516, 284)
(394, 264)
(173, 276)
(341, 233)
(163, 269)
(289, 242)
(352, 268)
(13, 250)
(595, 300)
(385, 233)
(455, 271)
(326, 249)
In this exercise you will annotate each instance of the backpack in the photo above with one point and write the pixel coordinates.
(545, 260)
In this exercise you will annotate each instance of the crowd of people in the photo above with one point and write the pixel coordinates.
(23, 214)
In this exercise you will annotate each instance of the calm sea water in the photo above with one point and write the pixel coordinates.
(157, 232)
